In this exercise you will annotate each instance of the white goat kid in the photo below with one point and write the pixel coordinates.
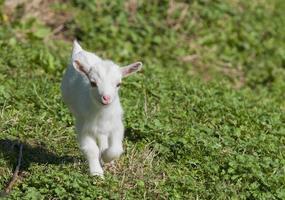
(90, 89)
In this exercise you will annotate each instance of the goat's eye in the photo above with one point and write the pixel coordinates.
(119, 84)
(93, 84)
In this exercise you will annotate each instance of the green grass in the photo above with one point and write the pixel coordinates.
(204, 120)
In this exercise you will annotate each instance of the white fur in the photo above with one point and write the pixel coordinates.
(100, 128)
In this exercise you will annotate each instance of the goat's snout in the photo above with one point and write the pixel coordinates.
(106, 99)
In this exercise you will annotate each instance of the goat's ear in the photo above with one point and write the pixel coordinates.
(130, 69)
(81, 66)
(76, 49)
(79, 60)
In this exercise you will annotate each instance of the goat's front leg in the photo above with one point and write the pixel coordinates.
(90, 149)
(115, 148)
(102, 144)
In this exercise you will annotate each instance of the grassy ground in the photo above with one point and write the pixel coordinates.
(204, 120)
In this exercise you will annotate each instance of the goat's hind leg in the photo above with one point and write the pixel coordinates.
(91, 150)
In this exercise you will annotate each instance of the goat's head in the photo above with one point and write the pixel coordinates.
(104, 76)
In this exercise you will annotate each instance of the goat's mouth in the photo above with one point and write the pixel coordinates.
(100, 102)
(105, 104)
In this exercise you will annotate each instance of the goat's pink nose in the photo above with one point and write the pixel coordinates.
(106, 98)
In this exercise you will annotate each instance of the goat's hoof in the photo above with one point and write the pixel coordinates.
(111, 154)
(98, 174)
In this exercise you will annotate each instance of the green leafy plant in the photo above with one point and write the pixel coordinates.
(205, 119)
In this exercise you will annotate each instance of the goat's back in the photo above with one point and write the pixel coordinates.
(75, 92)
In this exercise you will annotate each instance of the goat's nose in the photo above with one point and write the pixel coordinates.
(106, 98)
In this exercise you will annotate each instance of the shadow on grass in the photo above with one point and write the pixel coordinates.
(9, 150)
(31, 154)
(133, 135)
